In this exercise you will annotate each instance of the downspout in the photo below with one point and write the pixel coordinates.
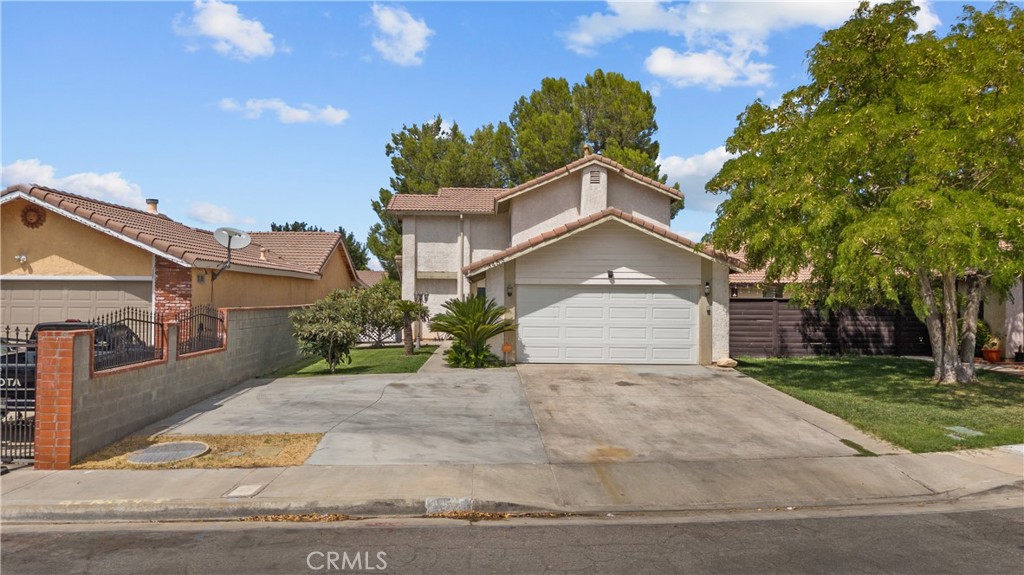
(460, 290)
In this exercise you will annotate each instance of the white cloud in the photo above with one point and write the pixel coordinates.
(402, 39)
(720, 39)
(231, 33)
(110, 187)
(712, 69)
(692, 173)
(305, 114)
(215, 215)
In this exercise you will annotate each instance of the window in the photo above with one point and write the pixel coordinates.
(481, 292)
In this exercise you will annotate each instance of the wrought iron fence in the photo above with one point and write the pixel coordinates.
(200, 328)
(127, 336)
(17, 395)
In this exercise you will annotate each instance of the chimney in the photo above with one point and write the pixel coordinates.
(586, 150)
(151, 205)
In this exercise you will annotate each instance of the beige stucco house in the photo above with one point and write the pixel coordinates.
(65, 256)
(584, 259)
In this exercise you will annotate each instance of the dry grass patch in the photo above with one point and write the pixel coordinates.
(226, 451)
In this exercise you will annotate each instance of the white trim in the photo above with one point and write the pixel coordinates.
(89, 278)
(611, 217)
(236, 267)
(608, 169)
(89, 223)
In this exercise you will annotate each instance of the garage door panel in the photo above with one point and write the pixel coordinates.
(28, 302)
(617, 324)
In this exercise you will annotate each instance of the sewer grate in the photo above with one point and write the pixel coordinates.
(169, 452)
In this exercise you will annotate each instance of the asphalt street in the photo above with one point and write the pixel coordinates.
(926, 542)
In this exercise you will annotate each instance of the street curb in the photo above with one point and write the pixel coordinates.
(236, 509)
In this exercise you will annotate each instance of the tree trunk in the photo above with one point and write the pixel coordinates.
(407, 332)
(950, 331)
(975, 285)
(931, 321)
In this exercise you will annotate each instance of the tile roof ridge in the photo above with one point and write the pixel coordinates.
(73, 196)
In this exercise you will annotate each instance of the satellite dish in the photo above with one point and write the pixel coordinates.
(231, 238)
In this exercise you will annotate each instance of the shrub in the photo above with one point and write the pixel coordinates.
(376, 311)
(471, 322)
(984, 336)
(324, 330)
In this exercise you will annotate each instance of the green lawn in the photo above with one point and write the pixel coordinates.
(364, 361)
(894, 399)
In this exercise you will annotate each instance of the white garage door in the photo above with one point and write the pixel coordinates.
(575, 324)
(28, 302)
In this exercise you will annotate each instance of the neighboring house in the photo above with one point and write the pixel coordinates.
(65, 256)
(1005, 316)
(370, 277)
(584, 259)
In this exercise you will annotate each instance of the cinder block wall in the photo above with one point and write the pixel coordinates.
(109, 405)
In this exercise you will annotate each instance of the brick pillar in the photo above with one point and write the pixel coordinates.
(173, 288)
(54, 380)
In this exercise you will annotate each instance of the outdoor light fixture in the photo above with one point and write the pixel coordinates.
(21, 258)
(735, 291)
(611, 275)
(707, 288)
(508, 290)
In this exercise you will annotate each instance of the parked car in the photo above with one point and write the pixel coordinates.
(114, 344)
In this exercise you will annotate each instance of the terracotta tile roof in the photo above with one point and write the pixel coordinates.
(463, 200)
(580, 163)
(371, 277)
(288, 252)
(608, 213)
(756, 277)
(484, 200)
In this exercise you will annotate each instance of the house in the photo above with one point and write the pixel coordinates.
(67, 256)
(371, 277)
(1004, 315)
(583, 258)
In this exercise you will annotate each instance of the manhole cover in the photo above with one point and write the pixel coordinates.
(169, 452)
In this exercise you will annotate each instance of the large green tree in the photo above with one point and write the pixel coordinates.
(546, 130)
(896, 172)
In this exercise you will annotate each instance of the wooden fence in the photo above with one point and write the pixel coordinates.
(771, 328)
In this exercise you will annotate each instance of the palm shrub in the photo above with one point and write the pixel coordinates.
(409, 311)
(324, 329)
(471, 322)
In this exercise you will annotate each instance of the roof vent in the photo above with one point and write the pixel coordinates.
(595, 177)
(263, 254)
(151, 205)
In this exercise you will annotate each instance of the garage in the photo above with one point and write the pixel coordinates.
(28, 302)
(628, 324)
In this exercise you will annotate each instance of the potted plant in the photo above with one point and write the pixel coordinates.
(1018, 356)
(991, 350)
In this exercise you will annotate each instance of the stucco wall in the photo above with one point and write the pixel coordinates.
(109, 405)
(548, 207)
(238, 289)
(62, 247)
(437, 239)
(635, 258)
(637, 199)
(719, 311)
(1013, 321)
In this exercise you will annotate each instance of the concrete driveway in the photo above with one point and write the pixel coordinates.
(531, 414)
(603, 413)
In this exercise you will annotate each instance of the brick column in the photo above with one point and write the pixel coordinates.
(173, 288)
(54, 380)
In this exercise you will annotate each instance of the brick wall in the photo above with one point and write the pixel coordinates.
(173, 288)
(79, 411)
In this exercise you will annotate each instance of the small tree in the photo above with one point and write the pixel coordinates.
(376, 310)
(410, 310)
(471, 322)
(323, 330)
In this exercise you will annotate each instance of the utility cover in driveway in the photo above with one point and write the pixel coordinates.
(628, 324)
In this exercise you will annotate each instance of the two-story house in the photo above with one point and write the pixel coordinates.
(583, 258)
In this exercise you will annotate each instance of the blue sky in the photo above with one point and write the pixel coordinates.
(251, 112)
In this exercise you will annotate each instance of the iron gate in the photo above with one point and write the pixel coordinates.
(17, 396)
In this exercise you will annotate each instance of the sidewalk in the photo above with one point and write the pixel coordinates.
(583, 488)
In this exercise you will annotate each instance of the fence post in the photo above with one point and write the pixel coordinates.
(55, 369)
(776, 332)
